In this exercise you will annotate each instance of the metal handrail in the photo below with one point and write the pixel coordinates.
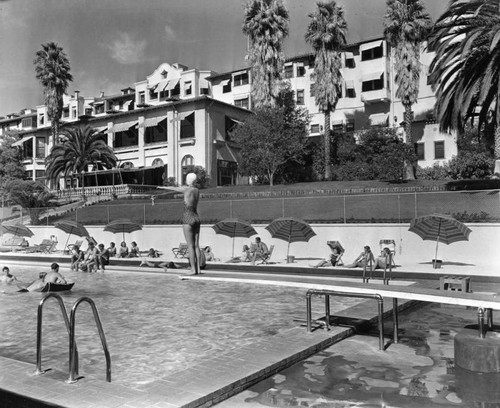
(328, 293)
(73, 358)
(38, 369)
(386, 280)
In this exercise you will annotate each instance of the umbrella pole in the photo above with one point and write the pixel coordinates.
(437, 243)
(66, 245)
(234, 233)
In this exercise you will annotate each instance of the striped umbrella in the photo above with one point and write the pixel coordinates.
(440, 228)
(18, 230)
(290, 230)
(234, 227)
(72, 228)
(122, 225)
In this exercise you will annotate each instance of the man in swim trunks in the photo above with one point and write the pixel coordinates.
(54, 276)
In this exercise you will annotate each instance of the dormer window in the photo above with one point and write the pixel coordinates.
(164, 74)
(188, 88)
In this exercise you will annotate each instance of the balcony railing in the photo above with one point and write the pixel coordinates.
(379, 95)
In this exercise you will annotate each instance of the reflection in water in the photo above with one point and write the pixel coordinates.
(417, 372)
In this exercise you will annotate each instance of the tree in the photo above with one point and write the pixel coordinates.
(31, 195)
(326, 33)
(266, 25)
(272, 138)
(465, 72)
(81, 146)
(52, 69)
(11, 166)
(406, 26)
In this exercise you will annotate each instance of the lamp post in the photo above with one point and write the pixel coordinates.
(83, 184)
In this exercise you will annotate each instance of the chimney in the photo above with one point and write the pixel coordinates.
(77, 94)
(101, 95)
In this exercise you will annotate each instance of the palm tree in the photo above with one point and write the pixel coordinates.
(406, 26)
(81, 147)
(53, 71)
(266, 25)
(465, 72)
(326, 33)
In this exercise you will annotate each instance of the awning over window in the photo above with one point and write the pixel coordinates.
(160, 86)
(150, 122)
(349, 55)
(235, 120)
(184, 115)
(239, 73)
(99, 103)
(122, 127)
(101, 129)
(126, 104)
(288, 64)
(372, 76)
(349, 84)
(226, 153)
(299, 64)
(22, 141)
(203, 83)
(225, 82)
(370, 45)
(172, 84)
(379, 119)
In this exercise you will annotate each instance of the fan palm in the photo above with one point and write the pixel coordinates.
(81, 146)
(326, 33)
(266, 25)
(465, 72)
(406, 26)
(52, 69)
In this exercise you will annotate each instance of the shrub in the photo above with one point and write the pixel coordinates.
(202, 180)
(471, 165)
(436, 172)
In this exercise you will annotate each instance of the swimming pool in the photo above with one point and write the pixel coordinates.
(155, 324)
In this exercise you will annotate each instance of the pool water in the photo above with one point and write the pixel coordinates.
(155, 324)
(418, 372)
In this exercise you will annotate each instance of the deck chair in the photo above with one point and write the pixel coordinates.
(181, 251)
(44, 246)
(336, 245)
(391, 244)
(264, 258)
(70, 247)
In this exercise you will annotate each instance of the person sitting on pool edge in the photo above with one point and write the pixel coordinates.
(112, 250)
(76, 257)
(123, 250)
(134, 250)
(102, 257)
(90, 260)
(365, 258)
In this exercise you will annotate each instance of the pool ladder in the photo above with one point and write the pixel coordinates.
(70, 327)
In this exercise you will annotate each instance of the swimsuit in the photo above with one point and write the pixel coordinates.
(190, 216)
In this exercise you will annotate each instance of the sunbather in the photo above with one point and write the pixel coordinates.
(90, 260)
(102, 257)
(383, 260)
(76, 257)
(134, 250)
(245, 256)
(365, 258)
(331, 260)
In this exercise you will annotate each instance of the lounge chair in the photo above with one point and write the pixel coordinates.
(15, 243)
(70, 247)
(264, 258)
(46, 246)
(181, 251)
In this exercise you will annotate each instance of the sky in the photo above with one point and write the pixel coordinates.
(113, 43)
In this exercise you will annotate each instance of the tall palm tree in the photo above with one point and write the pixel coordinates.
(52, 69)
(406, 26)
(326, 33)
(81, 147)
(266, 25)
(465, 72)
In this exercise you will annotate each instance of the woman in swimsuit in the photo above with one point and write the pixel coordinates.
(191, 223)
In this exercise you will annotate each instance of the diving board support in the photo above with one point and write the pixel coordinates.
(328, 293)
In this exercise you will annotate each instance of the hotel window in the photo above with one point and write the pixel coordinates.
(40, 174)
(420, 151)
(152, 94)
(27, 122)
(88, 111)
(28, 175)
(338, 127)
(349, 127)
(300, 97)
(186, 161)
(241, 79)
(204, 91)
(157, 162)
(315, 128)
(226, 86)
(311, 89)
(40, 147)
(289, 71)
(349, 60)
(439, 150)
(126, 138)
(154, 134)
(188, 88)
(187, 127)
(242, 103)
(176, 91)
(66, 113)
(120, 105)
(349, 89)
(372, 53)
(99, 108)
(73, 113)
(373, 85)
(41, 118)
(230, 125)
(142, 98)
(301, 70)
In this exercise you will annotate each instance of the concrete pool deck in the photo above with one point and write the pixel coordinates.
(212, 380)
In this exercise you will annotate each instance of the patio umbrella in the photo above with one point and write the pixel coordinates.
(439, 228)
(234, 227)
(18, 230)
(290, 230)
(72, 228)
(122, 225)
